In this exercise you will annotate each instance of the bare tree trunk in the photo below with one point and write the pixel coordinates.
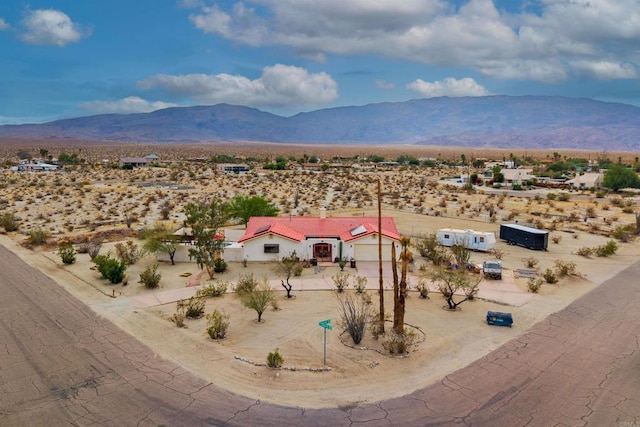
(405, 257)
(381, 289)
(394, 268)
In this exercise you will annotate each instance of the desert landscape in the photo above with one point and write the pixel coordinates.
(98, 200)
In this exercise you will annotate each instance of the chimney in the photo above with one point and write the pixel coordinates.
(323, 212)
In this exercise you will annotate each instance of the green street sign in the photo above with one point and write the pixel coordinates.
(326, 324)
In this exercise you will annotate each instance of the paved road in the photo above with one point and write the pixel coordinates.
(60, 364)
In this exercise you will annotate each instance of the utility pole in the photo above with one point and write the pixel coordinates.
(381, 290)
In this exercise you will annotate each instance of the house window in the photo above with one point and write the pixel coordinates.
(482, 240)
(271, 248)
(446, 236)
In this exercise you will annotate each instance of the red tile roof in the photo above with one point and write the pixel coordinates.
(298, 228)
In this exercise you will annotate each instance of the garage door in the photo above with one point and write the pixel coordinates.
(370, 252)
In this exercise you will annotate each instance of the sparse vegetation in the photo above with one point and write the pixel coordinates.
(354, 313)
(216, 289)
(275, 359)
(150, 277)
(341, 281)
(110, 268)
(194, 308)
(259, 299)
(217, 324)
(67, 253)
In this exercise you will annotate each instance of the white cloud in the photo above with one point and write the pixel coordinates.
(49, 27)
(279, 85)
(4, 25)
(385, 85)
(550, 45)
(131, 104)
(606, 70)
(448, 87)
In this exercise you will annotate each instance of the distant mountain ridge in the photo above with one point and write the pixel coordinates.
(535, 122)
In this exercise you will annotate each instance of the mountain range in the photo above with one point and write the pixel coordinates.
(534, 122)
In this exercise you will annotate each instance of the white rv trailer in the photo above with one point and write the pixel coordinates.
(475, 240)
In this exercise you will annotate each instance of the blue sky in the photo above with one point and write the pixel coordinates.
(68, 58)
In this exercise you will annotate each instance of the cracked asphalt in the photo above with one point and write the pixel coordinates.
(61, 364)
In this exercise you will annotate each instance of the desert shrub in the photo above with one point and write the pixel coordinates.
(498, 253)
(194, 308)
(217, 325)
(219, 265)
(341, 281)
(361, 284)
(549, 276)
(129, 252)
(427, 245)
(110, 268)
(9, 222)
(246, 283)
(624, 233)
(399, 344)
(607, 250)
(275, 359)
(67, 253)
(179, 316)
(552, 196)
(37, 236)
(565, 268)
(150, 277)
(585, 251)
(564, 197)
(92, 248)
(259, 298)
(213, 290)
(530, 262)
(534, 284)
(556, 239)
(354, 314)
(422, 288)
(297, 270)
(461, 253)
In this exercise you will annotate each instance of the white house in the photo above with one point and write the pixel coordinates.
(321, 238)
(475, 240)
(587, 180)
(517, 176)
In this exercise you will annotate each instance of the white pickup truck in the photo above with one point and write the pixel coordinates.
(492, 269)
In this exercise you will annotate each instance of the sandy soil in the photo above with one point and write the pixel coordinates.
(451, 339)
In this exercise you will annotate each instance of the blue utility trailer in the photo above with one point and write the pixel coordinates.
(499, 318)
(528, 237)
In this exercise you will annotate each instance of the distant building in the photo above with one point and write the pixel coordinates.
(233, 168)
(587, 180)
(134, 161)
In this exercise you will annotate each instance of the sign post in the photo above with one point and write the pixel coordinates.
(326, 324)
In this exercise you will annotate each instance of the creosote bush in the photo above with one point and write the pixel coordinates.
(246, 283)
(179, 316)
(194, 308)
(530, 262)
(67, 253)
(217, 325)
(399, 344)
(534, 284)
(341, 281)
(110, 268)
(9, 222)
(129, 252)
(150, 277)
(216, 289)
(275, 359)
(549, 276)
(565, 268)
(607, 250)
(37, 236)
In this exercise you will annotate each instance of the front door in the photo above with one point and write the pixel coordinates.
(322, 252)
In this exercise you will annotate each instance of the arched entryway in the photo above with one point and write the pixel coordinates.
(322, 252)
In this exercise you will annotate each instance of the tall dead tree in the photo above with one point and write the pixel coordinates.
(406, 257)
(381, 289)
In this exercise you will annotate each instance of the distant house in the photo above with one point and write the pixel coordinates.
(322, 238)
(233, 168)
(517, 176)
(35, 167)
(152, 157)
(134, 161)
(587, 180)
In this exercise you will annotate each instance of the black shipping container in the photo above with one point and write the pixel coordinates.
(521, 235)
